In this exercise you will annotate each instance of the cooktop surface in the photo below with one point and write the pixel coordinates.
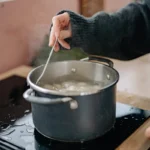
(17, 131)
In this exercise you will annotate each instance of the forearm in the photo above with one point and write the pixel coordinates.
(121, 35)
(125, 34)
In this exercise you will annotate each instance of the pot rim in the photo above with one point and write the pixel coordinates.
(57, 93)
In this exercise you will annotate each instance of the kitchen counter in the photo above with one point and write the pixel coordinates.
(135, 93)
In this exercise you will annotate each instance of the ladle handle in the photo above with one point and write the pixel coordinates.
(29, 96)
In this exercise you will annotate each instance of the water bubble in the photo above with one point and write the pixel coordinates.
(13, 120)
(19, 123)
(29, 123)
(125, 118)
(108, 76)
(30, 129)
(27, 111)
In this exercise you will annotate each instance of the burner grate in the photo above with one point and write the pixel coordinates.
(5, 145)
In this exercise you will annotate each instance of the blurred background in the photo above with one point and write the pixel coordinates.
(24, 33)
(24, 27)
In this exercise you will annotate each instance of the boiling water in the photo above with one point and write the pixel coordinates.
(78, 84)
(72, 86)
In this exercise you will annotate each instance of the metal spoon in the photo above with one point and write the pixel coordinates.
(50, 54)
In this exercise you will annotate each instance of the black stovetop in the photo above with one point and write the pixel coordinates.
(16, 124)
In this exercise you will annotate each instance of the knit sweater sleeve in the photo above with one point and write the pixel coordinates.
(122, 35)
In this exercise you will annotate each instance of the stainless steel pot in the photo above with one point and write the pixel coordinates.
(78, 117)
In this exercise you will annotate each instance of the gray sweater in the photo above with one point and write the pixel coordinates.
(123, 35)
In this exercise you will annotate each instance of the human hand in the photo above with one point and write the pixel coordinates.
(61, 29)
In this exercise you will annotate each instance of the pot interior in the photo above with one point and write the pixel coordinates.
(58, 72)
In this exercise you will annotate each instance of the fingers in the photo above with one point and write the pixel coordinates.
(56, 48)
(55, 31)
(52, 37)
(63, 35)
(64, 19)
(60, 23)
(56, 26)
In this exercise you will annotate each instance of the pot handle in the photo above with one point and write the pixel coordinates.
(30, 97)
(100, 59)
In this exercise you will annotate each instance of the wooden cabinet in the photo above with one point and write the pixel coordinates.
(90, 7)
